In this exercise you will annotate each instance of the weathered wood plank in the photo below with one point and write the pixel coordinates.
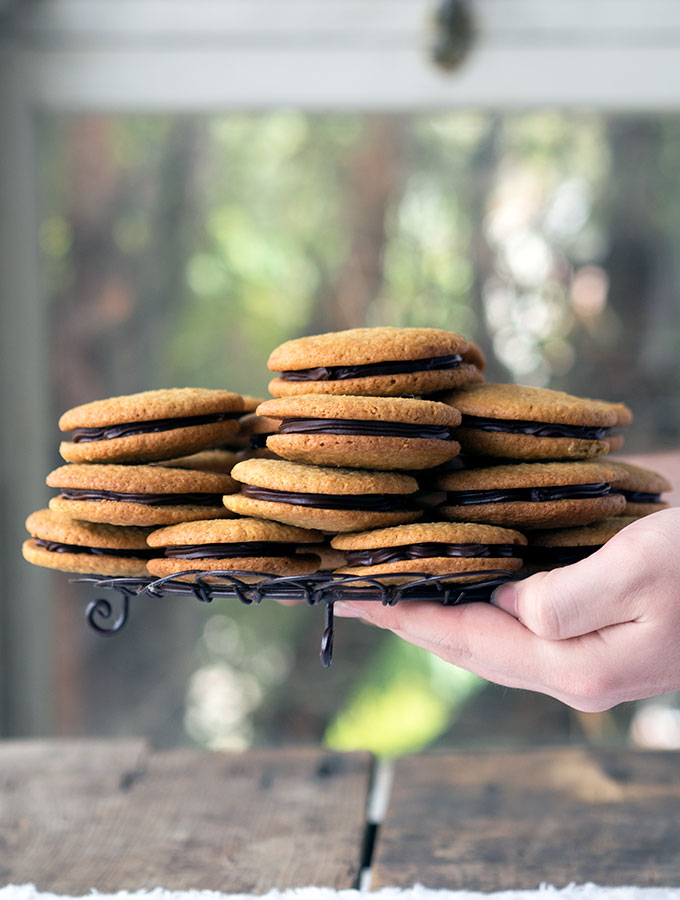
(183, 819)
(493, 821)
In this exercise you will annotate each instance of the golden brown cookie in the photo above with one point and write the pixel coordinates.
(532, 495)
(518, 422)
(642, 489)
(362, 432)
(323, 498)
(138, 495)
(69, 545)
(436, 548)
(556, 547)
(151, 425)
(385, 362)
(251, 545)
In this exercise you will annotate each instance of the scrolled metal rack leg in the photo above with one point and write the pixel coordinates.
(100, 613)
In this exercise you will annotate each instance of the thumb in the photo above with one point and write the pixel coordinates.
(603, 589)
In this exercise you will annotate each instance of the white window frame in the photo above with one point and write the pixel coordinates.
(76, 56)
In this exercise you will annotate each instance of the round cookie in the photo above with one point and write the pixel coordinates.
(436, 548)
(362, 432)
(138, 495)
(318, 497)
(253, 545)
(563, 546)
(641, 487)
(151, 425)
(518, 422)
(531, 495)
(69, 545)
(384, 362)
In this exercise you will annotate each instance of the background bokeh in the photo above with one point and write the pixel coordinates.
(179, 250)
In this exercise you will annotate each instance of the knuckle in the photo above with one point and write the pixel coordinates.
(541, 615)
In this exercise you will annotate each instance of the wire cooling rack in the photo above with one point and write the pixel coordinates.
(323, 589)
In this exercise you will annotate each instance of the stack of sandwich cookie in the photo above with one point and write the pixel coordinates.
(518, 422)
(70, 545)
(252, 545)
(334, 500)
(532, 495)
(152, 425)
(138, 495)
(436, 548)
(642, 489)
(385, 362)
(362, 432)
(563, 546)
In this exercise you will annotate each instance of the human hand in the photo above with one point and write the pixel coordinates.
(593, 634)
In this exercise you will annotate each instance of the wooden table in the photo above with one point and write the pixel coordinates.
(117, 815)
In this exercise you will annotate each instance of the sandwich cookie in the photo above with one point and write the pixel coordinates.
(436, 548)
(518, 422)
(532, 495)
(642, 489)
(138, 495)
(362, 432)
(384, 362)
(150, 426)
(58, 542)
(318, 497)
(564, 546)
(234, 544)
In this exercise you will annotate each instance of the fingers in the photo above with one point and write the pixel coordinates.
(609, 587)
(475, 636)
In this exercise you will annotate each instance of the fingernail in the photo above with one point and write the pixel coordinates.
(348, 610)
(505, 598)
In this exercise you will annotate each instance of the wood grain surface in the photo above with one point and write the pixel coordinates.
(494, 821)
(114, 815)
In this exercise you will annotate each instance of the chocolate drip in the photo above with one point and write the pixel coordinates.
(530, 494)
(427, 550)
(145, 499)
(57, 547)
(231, 551)
(561, 556)
(125, 429)
(364, 426)
(537, 429)
(392, 367)
(640, 496)
(360, 502)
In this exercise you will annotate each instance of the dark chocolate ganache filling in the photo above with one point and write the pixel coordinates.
(363, 426)
(57, 547)
(530, 494)
(537, 429)
(561, 556)
(426, 550)
(145, 499)
(362, 502)
(640, 496)
(231, 551)
(393, 367)
(125, 429)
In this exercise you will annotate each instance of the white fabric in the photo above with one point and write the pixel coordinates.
(417, 892)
